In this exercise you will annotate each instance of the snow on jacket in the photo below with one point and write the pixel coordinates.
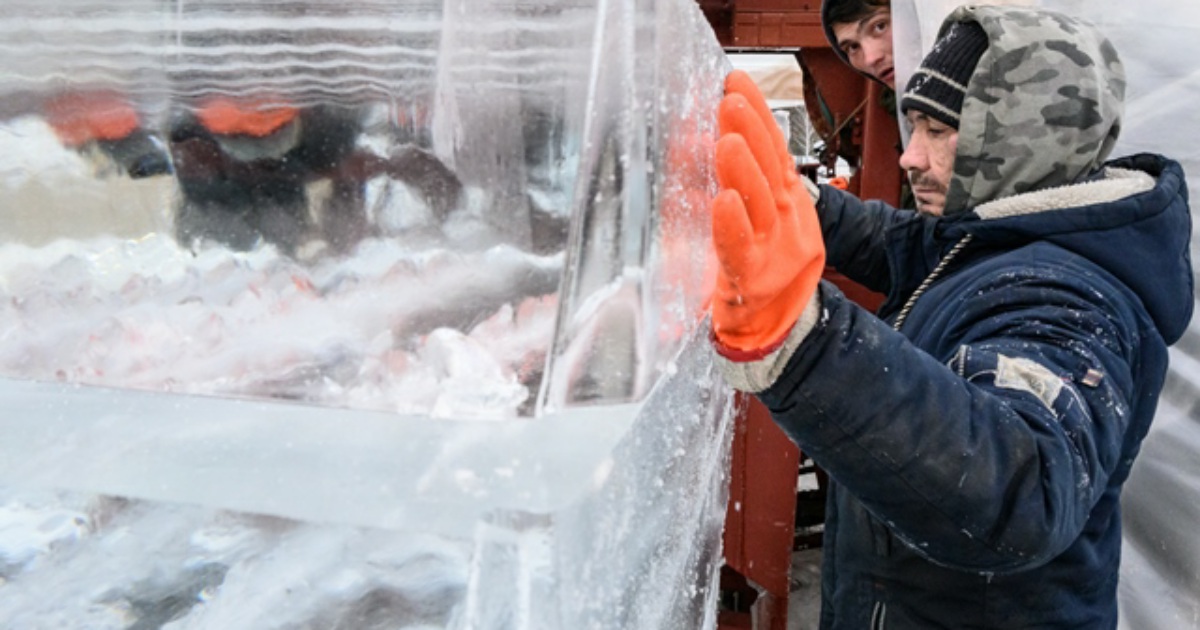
(977, 453)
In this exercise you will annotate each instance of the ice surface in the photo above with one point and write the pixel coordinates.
(136, 313)
(425, 351)
(607, 520)
(465, 157)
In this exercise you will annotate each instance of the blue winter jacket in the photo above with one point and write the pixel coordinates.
(977, 455)
(978, 431)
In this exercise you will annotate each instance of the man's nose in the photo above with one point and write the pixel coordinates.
(873, 51)
(913, 158)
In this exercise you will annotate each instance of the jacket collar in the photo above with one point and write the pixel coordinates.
(1115, 184)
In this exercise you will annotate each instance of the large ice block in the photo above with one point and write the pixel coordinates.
(358, 314)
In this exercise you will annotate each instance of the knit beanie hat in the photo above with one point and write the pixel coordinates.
(939, 84)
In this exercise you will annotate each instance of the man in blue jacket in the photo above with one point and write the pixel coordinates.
(977, 431)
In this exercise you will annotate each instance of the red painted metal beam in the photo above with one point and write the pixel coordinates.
(760, 520)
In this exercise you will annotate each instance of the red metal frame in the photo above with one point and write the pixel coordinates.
(760, 520)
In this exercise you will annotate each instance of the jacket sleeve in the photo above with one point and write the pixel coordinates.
(988, 459)
(854, 232)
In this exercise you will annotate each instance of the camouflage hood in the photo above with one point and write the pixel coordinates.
(1043, 108)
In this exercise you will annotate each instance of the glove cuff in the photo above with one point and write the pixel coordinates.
(738, 355)
(755, 371)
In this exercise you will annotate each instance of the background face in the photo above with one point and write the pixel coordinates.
(867, 43)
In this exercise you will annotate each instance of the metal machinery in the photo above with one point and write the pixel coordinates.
(767, 515)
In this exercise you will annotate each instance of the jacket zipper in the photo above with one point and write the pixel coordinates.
(878, 616)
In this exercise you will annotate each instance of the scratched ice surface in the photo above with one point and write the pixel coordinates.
(357, 315)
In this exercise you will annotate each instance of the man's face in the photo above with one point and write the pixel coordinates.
(929, 161)
(867, 43)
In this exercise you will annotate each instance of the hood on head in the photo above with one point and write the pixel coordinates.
(826, 6)
(1042, 109)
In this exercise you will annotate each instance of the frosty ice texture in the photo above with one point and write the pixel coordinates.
(530, 158)
(139, 314)
(374, 217)
(412, 340)
(264, 515)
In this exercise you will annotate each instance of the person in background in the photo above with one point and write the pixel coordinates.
(244, 166)
(103, 122)
(977, 432)
(860, 32)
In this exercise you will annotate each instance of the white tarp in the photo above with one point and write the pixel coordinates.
(777, 75)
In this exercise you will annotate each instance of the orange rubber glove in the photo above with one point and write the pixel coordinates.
(765, 230)
(81, 117)
(257, 117)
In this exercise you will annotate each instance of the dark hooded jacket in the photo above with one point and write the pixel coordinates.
(978, 431)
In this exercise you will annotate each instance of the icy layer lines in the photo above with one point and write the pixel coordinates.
(316, 50)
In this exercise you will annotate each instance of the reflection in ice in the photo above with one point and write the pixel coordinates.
(214, 569)
(308, 131)
(434, 331)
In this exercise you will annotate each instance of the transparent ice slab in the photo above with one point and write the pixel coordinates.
(602, 517)
(377, 314)
(438, 163)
